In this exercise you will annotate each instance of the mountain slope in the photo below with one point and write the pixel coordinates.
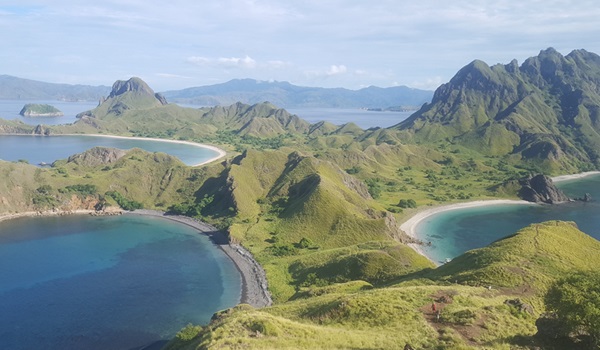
(356, 315)
(286, 95)
(546, 111)
(13, 88)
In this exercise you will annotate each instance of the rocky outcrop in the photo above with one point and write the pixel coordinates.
(541, 189)
(41, 130)
(97, 156)
(137, 85)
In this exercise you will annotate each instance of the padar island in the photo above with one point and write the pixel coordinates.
(319, 207)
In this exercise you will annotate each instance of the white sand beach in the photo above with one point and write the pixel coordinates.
(221, 153)
(574, 176)
(410, 225)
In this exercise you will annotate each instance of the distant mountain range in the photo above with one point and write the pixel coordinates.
(13, 88)
(286, 95)
(247, 91)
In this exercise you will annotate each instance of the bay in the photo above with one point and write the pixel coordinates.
(454, 232)
(9, 109)
(363, 118)
(47, 149)
(81, 282)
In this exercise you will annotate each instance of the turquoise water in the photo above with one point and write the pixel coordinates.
(81, 282)
(454, 232)
(47, 149)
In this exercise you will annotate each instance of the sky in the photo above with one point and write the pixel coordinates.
(353, 44)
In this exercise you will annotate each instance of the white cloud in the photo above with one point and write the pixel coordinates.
(246, 62)
(336, 70)
(175, 76)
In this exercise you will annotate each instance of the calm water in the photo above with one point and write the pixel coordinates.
(457, 231)
(47, 149)
(9, 109)
(125, 282)
(363, 118)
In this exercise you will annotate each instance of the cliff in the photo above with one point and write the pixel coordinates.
(541, 189)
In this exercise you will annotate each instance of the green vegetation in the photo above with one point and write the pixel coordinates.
(319, 206)
(575, 300)
(124, 202)
(40, 110)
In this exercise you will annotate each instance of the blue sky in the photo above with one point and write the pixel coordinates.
(333, 43)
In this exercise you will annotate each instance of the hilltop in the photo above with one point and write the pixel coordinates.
(318, 205)
(544, 111)
(519, 270)
(286, 95)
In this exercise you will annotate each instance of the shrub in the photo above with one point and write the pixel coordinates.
(576, 302)
(407, 203)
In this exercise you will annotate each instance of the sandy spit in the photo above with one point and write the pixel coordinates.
(221, 153)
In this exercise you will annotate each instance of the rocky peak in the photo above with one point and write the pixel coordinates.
(541, 189)
(97, 156)
(136, 85)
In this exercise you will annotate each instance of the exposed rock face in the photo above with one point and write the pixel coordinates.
(97, 156)
(41, 130)
(541, 189)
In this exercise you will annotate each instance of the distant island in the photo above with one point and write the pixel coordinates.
(40, 110)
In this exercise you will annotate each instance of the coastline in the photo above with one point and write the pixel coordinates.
(254, 280)
(410, 226)
(221, 153)
(574, 176)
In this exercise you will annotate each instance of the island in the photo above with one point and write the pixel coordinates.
(40, 110)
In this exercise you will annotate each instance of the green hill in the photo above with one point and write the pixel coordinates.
(356, 315)
(545, 111)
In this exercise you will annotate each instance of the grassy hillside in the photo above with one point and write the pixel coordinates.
(544, 111)
(356, 315)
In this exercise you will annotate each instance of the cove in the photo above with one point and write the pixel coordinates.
(454, 232)
(120, 282)
(47, 149)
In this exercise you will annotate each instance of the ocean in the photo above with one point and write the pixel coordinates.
(124, 282)
(47, 149)
(454, 232)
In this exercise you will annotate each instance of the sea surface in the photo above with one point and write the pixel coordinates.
(361, 117)
(9, 109)
(47, 149)
(126, 282)
(454, 232)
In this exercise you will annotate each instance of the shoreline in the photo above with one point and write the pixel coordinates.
(254, 279)
(254, 289)
(574, 176)
(220, 153)
(410, 226)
